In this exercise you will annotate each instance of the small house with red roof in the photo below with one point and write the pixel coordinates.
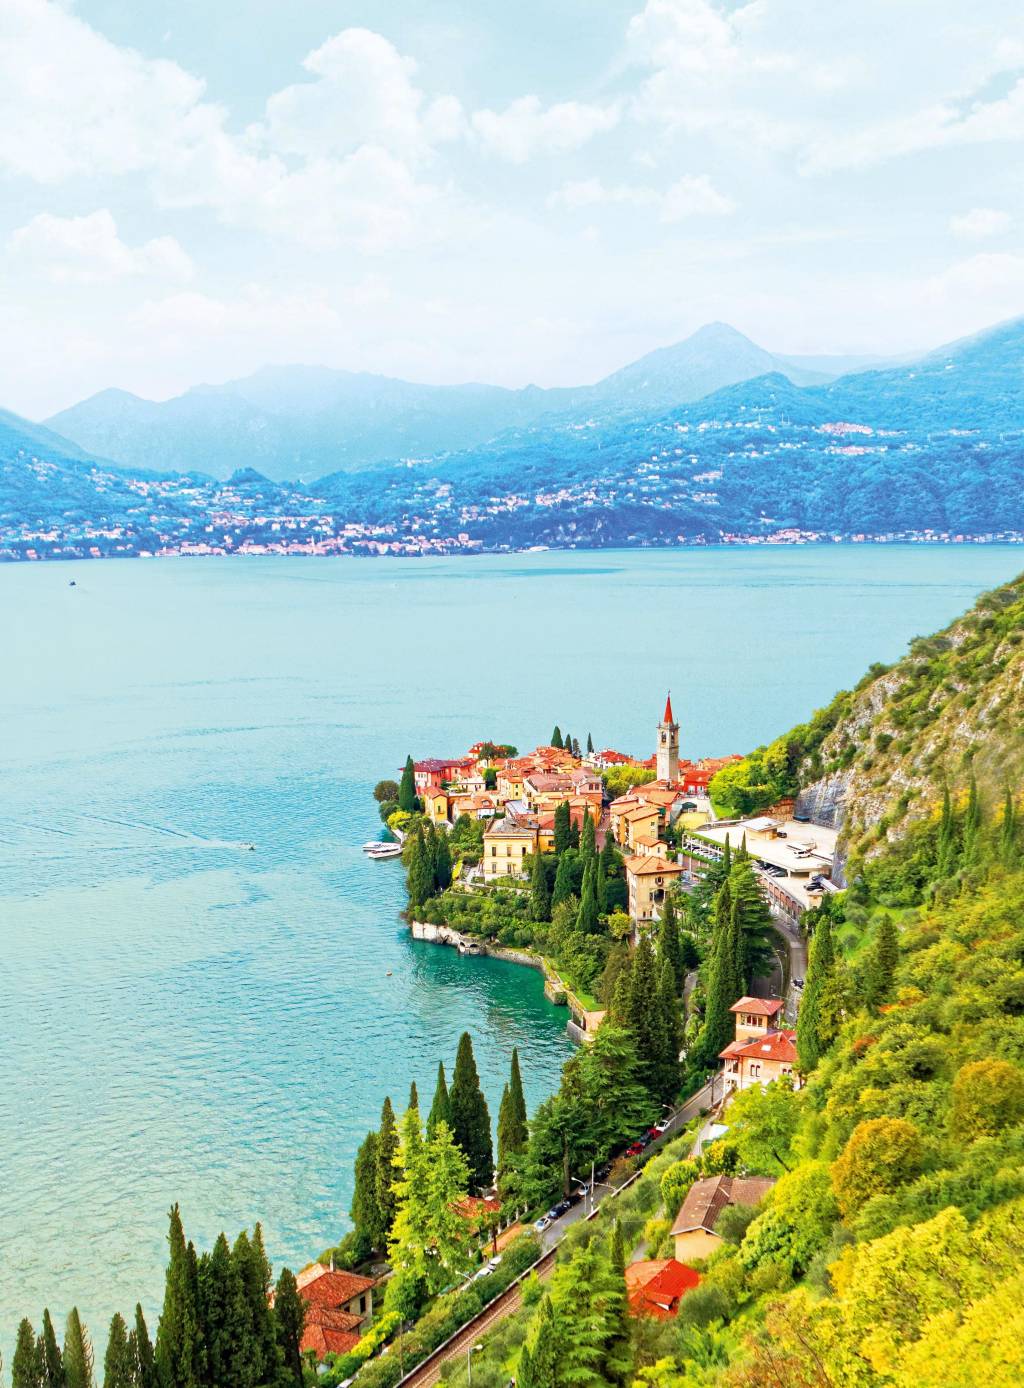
(338, 1308)
(656, 1287)
(761, 1051)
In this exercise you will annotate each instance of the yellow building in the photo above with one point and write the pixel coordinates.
(506, 848)
(435, 806)
(638, 828)
(648, 877)
(693, 1230)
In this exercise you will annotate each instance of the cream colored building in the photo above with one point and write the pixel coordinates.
(648, 877)
(506, 848)
(759, 1053)
(693, 1230)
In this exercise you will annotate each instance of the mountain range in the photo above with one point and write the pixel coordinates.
(304, 421)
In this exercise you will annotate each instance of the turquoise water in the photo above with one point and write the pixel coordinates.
(181, 1019)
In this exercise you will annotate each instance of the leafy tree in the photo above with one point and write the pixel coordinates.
(77, 1357)
(387, 1152)
(540, 899)
(562, 827)
(407, 788)
(763, 1123)
(118, 1362)
(471, 1122)
(429, 1238)
(988, 1095)
(882, 1154)
(52, 1363)
(384, 791)
(180, 1353)
(556, 738)
(365, 1208)
(289, 1320)
(440, 1109)
(797, 1223)
(26, 1366)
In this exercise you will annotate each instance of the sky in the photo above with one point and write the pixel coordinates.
(537, 192)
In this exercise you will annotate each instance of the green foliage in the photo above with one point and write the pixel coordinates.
(988, 1095)
(365, 1210)
(882, 1154)
(384, 1179)
(386, 790)
(763, 1124)
(441, 1107)
(471, 1122)
(407, 800)
(618, 780)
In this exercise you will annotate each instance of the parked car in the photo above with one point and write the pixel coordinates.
(645, 1139)
(563, 1207)
(636, 1150)
(492, 1263)
(603, 1172)
(485, 1271)
(663, 1125)
(542, 1223)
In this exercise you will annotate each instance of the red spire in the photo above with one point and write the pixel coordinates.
(668, 710)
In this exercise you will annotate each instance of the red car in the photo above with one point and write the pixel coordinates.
(636, 1149)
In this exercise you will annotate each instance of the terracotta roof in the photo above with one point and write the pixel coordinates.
(647, 865)
(329, 1332)
(655, 1287)
(642, 812)
(502, 829)
(318, 1283)
(476, 1206)
(442, 763)
(760, 1007)
(773, 1045)
(708, 1198)
(668, 710)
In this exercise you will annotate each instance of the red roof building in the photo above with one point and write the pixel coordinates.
(655, 1288)
(759, 1053)
(338, 1309)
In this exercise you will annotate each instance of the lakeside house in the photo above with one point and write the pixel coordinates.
(338, 1306)
(648, 878)
(694, 1231)
(507, 845)
(759, 1053)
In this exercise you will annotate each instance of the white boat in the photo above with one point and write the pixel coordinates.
(374, 843)
(385, 850)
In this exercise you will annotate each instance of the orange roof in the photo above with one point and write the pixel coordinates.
(774, 1045)
(476, 1206)
(321, 1284)
(329, 1332)
(668, 710)
(760, 1007)
(655, 1287)
(644, 865)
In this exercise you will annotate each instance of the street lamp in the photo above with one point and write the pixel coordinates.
(473, 1349)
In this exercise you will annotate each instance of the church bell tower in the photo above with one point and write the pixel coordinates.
(668, 745)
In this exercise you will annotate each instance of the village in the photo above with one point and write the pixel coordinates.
(658, 813)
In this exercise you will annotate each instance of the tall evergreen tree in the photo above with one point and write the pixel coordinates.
(421, 883)
(387, 1151)
(644, 1014)
(717, 1029)
(78, 1359)
(289, 1320)
(567, 742)
(256, 1279)
(586, 917)
(442, 861)
(1009, 855)
(27, 1364)
(52, 1363)
(118, 1365)
(820, 964)
(414, 1098)
(513, 1131)
(883, 961)
(669, 1033)
(145, 1361)
(556, 738)
(544, 1356)
(562, 827)
(972, 826)
(755, 954)
(588, 841)
(407, 788)
(540, 900)
(669, 944)
(223, 1313)
(441, 1108)
(946, 846)
(365, 1208)
(179, 1342)
(515, 1085)
(563, 880)
(590, 744)
(471, 1122)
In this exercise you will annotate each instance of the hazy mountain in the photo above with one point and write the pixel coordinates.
(21, 436)
(305, 421)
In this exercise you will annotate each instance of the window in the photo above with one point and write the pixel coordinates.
(755, 1069)
(494, 851)
(362, 1305)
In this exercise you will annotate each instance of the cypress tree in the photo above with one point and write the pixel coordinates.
(574, 835)
(545, 1354)
(78, 1361)
(561, 827)
(718, 1028)
(118, 1368)
(515, 1085)
(256, 1280)
(52, 1363)
(441, 1108)
(421, 871)
(145, 1362)
(617, 1248)
(590, 744)
(540, 901)
(1008, 854)
(244, 1348)
(387, 1150)
(563, 880)
(179, 1348)
(290, 1320)
(443, 862)
(513, 1130)
(365, 1209)
(414, 1098)
(27, 1364)
(588, 841)
(218, 1279)
(471, 1122)
(946, 844)
(670, 945)
(669, 1032)
(884, 958)
(972, 826)
(407, 788)
(586, 916)
(727, 857)
(644, 1014)
(524, 1369)
(567, 742)
(808, 1022)
(556, 738)
(754, 954)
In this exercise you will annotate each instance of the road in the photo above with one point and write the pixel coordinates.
(796, 944)
(510, 1300)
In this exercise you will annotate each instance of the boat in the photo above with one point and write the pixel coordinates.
(374, 843)
(385, 850)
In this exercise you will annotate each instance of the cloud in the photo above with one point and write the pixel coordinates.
(364, 93)
(690, 196)
(980, 223)
(88, 250)
(526, 127)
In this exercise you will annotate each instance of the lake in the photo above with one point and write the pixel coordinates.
(182, 1019)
